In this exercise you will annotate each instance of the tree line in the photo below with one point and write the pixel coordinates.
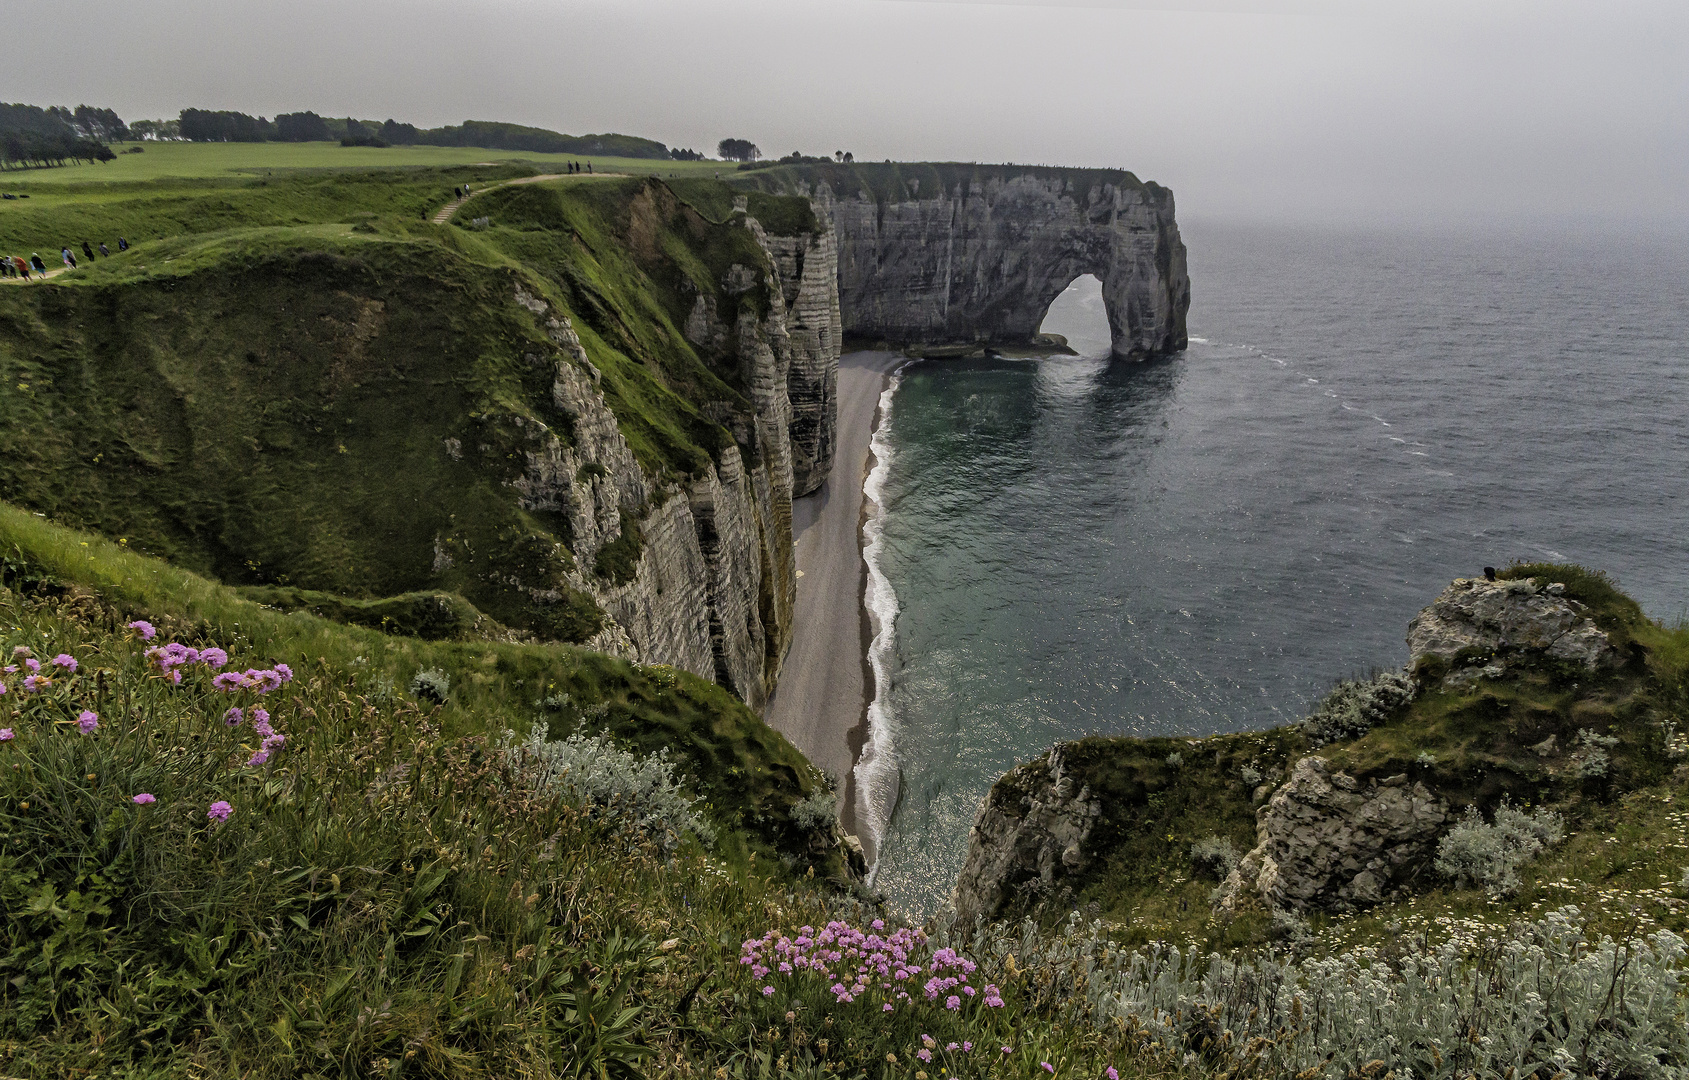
(33, 137)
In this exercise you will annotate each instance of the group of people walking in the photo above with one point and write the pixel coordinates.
(17, 266)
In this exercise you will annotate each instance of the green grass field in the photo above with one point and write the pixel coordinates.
(182, 160)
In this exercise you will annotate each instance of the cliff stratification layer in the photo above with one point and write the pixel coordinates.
(963, 254)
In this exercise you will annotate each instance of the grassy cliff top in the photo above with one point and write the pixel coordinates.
(226, 394)
(1473, 743)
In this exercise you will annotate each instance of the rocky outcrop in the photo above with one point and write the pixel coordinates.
(1475, 617)
(1031, 828)
(1325, 841)
(945, 255)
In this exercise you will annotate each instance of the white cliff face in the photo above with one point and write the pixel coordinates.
(981, 261)
(715, 582)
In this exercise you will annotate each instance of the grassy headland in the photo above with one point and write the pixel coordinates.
(224, 396)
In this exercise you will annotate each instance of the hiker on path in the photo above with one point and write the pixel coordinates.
(70, 260)
(40, 267)
(87, 251)
(589, 168)
(122, 244)
(23, 267)
(105, 252)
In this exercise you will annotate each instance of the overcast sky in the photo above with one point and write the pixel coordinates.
(1243, 107)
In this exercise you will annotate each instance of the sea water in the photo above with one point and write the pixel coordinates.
(1205, 543)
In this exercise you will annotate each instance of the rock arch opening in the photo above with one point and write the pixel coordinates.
(1080, 315)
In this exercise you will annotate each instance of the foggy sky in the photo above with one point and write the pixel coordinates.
(1277, 108)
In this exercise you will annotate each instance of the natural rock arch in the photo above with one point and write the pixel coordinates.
(961, 255)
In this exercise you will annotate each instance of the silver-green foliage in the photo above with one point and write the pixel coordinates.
(817, 811)
(1536, 1000)
(1215, 856)
(591, 771)
(1355, 706)
(1590, 759)
(431, 684)
(1489, 855)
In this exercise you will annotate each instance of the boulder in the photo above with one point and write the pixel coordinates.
(1326, 841)
(1474, 615)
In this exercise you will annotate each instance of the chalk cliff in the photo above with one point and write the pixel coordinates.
(715, 582)
(963, 254)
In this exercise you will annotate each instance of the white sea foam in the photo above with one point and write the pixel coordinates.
(877, 772)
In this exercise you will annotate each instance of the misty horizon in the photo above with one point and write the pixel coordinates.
(1271, 109)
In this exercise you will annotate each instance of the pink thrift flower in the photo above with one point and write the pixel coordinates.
(219, 811)
(952, 1003)
(924, 1054)
(32, 664)
(143, 799)
(2, 689)
(1047, 1067)
(233, 717)
(967, 1047)
(66, 661)
(144, 628)
(213, 658)
(176, 678)
(887, 1007)
(768, 991)
(87, 721)
(952, 1046)
(6, 734)
(9, 669)
(1111, 1074)
(1005, 1050)
(285, 672)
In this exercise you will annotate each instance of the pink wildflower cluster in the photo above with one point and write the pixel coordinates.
(867, 964)
(36, 680)
(175, 656)
(273, 740)
(262, 680)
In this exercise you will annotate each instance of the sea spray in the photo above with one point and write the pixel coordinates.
(877, 773)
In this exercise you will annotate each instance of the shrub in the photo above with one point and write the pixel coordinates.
(431, 684)
(1251, 775)
(621, 788)
(1591, 760)
(1355, 706)
(816, 812)
(1214, 856)
(1539, 999)
(1489, 856)
(1175, 759)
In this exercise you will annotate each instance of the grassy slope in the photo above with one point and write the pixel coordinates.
(384, 900)
(750, 774)
(1142, 877)
(225, 396)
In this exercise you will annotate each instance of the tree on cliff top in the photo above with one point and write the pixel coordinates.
(737, 150)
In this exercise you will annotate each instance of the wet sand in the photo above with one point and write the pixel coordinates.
(821, 703)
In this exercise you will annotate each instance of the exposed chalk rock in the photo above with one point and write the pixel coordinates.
(1030, 827)
(1498, 616)
(1325, 841)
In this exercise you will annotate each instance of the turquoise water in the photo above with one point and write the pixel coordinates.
(1205, 543)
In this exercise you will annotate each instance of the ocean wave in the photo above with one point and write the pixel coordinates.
(877, 772)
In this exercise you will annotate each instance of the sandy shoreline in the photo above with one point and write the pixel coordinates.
(821, 703)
